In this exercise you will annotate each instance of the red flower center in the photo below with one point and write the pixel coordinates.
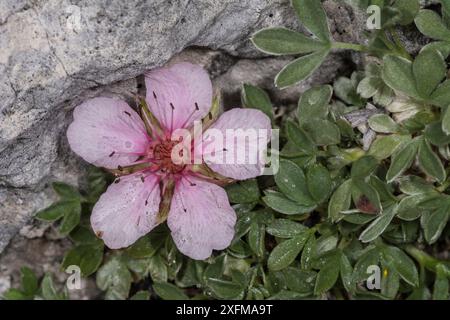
(161, 155)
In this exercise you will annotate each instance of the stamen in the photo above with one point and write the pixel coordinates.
(112, 153)
(171, 117)
(159, 107)
(190, 182)
(127, 113)
(135, 168)
(196, 108)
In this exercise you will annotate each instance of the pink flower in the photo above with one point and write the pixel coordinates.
(151, 187)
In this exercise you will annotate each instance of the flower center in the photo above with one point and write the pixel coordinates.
(162, 157)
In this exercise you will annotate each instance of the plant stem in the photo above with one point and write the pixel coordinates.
(426, 260)
(350, 46)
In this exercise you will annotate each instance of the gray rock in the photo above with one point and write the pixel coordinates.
(57, 53)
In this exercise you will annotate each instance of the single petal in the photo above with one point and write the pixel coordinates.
(236, 143)
(178, 95)
(107, 133)
(200, 218)
(127, 210)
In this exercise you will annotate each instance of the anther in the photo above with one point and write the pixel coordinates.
(117, 181)
(127, 113)
(112, 153)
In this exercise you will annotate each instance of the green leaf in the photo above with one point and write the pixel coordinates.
(441, 284)
(433, 223)
(412, 185)
(431, 25)
(442, 46)
(291, 180)
(301, 281)
(215, 269)
(114, 278)
(408, 10)
(87, 257)
(429, 70)
(66, 191)
(384, 146)
(398, 74)
(48, 289)
(313, 17)
(435, 134)
(369, 86)
(141, 295)
(300, 69)
(256, 98)
(408, 208)
(225, 289)
(309, 253)
(346, 271)
(284, 228)
(288, 295)
(147, 246)
(71, 218)
(319, 182)
(56, 211)
(441, 96)
(383, 123)
(323, 132)
(346, 89)
(282, 41)
(300, 138)
(328, 275)
(403, 264)
(390, 279)
(286, 252)
(430, 162)
(84, 235)
(243, 191)
(446, 121)
(364, 167)
(29, 281)
(278, 202)
(256, 237)
(369, 258)
(15, 294)
(168, 291)
(340, 201)
(158, 269)
(379, 225)
(313, 103)
(402, 160)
